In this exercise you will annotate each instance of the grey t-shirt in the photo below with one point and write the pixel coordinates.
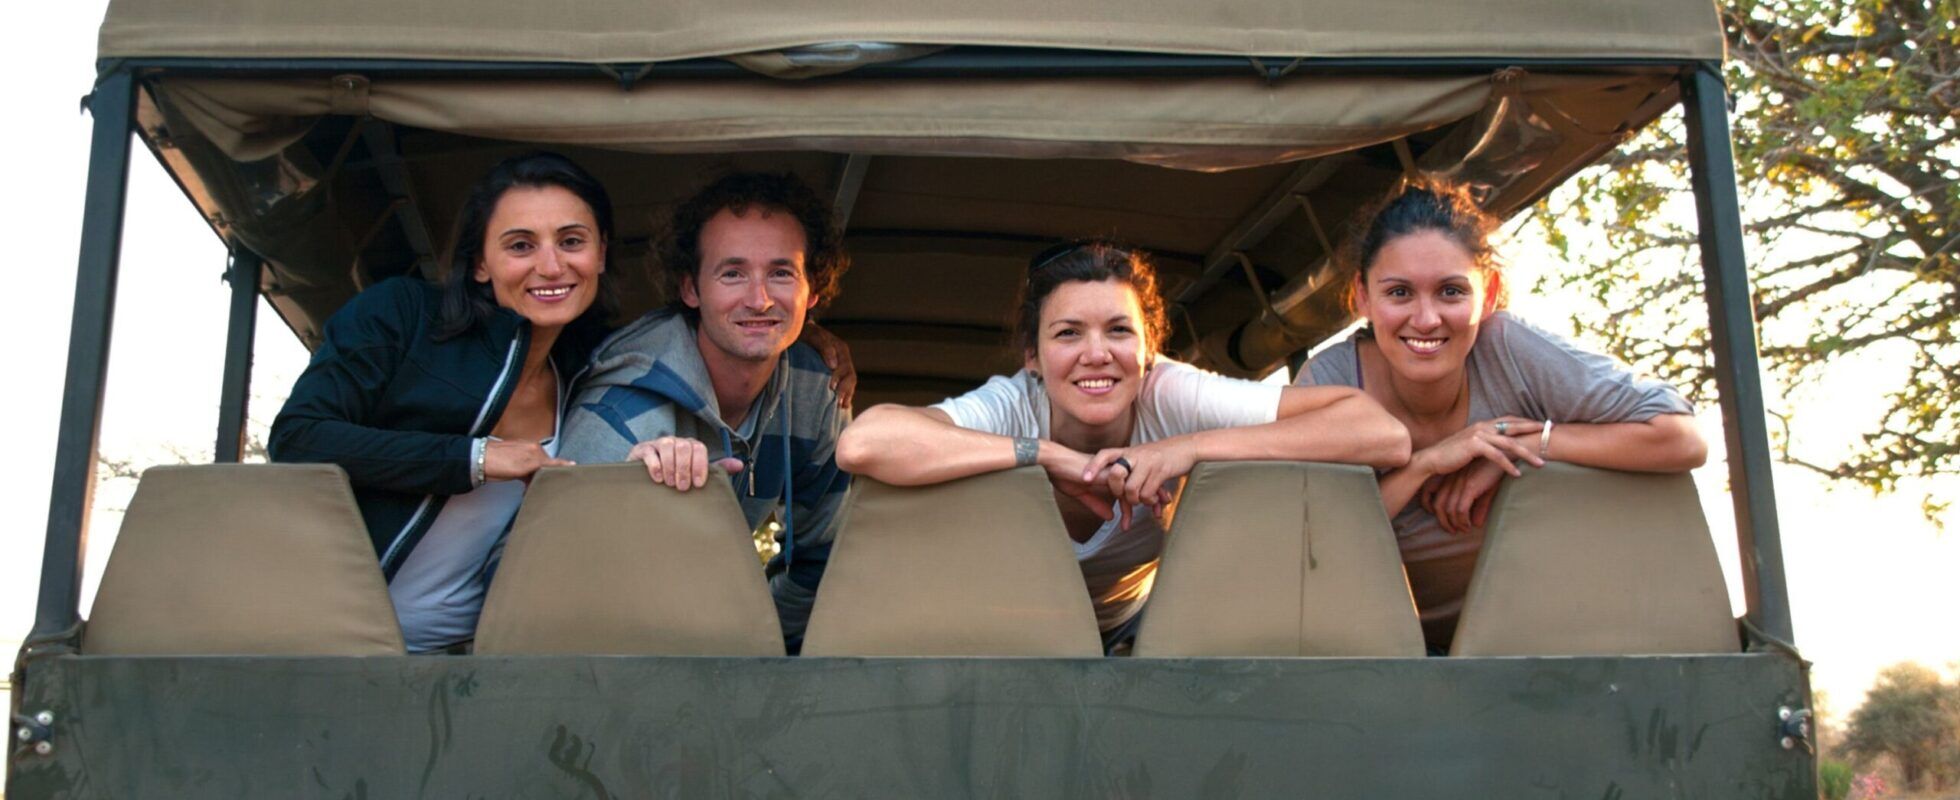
(1515, 369)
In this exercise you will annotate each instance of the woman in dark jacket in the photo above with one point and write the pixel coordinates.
(440, 402)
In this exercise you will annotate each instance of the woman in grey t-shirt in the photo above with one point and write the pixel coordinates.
(1478, 388)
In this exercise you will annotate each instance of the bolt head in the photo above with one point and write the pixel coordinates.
(1788, 743)
(1783, 713)
(44, 717)
(43, 748)
(23, 734)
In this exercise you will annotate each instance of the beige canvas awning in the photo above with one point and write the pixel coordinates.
(635, 31)
(1203, 123)
(340, 174)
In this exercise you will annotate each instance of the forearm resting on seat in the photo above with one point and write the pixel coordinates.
(906, 446)
(1331, 423)
(1666, 443)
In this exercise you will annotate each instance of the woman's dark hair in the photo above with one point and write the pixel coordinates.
(824, 260)
(1093, 261)
(466, 302)
(1419, 205)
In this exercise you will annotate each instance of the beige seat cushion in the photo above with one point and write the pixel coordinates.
(975, 567)
(602, 560)
(243, 559)
(1280, 559)
(1580, 561)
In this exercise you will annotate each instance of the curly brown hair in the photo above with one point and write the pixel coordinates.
(1091, 261)
(824, 261)
(1424, 204)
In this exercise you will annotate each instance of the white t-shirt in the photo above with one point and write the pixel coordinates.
(1177, 398)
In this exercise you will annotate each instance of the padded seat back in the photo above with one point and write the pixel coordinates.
(1280, 559)
(243, 559)
(602, 560)
(975, 567)
(1579, 561)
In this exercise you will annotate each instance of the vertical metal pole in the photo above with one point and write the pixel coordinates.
(234, 401)
(1732, 323)
(112, 105)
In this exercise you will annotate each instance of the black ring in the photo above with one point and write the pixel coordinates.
(1124, 463)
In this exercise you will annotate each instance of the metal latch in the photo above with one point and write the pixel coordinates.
(35, 733)
(1793, 725)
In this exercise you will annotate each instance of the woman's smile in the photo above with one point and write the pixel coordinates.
(1424, 347)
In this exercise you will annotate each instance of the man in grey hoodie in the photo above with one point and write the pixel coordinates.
(717, 377)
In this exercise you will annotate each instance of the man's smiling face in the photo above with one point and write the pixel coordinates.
(750, 288)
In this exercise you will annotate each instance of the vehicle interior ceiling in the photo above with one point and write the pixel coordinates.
(939, 244)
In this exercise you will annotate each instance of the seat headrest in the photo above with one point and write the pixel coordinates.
(974, 567)
(602, 560)
(1269, 558)
(1580, 561)
(243, 559)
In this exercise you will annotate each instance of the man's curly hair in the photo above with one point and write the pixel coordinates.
(824, 258)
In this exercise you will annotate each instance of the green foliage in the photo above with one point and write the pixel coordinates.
(1847, 143)
(1913, 718)
(1834, 780)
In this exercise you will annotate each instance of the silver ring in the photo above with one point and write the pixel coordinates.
(1124, 463)
(1501, 427)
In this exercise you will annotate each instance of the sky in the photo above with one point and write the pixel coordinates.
(1870, 579)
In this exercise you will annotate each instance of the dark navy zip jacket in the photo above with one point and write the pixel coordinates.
(397, 409)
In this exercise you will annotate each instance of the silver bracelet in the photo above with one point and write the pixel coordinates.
(1025, 451)
(478, 449)
(1545, 440)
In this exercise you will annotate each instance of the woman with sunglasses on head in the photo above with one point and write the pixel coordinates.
(1477, 388)
(1115, 424)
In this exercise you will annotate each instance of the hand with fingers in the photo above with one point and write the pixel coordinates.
(1461, 499)
(1066, 469)
(836, 355)
(515, 459)
(1497, 441)
(678, 462)
(1139, 475)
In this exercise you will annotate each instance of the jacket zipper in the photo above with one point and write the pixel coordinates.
(476, 429)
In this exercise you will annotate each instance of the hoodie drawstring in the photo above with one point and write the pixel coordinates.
(789, 499)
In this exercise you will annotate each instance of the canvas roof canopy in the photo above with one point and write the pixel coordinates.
(625, 31)
(347, 167)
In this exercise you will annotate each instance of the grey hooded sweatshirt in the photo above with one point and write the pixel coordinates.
(648, 381)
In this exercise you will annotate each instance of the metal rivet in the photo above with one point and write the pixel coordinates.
(1788, 743)
(23, 733)
(43, 748)
(44, 717)
(1783, 713)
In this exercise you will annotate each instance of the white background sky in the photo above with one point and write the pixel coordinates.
(1871, 581)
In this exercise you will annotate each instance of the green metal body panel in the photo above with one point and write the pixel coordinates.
(592, 727)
